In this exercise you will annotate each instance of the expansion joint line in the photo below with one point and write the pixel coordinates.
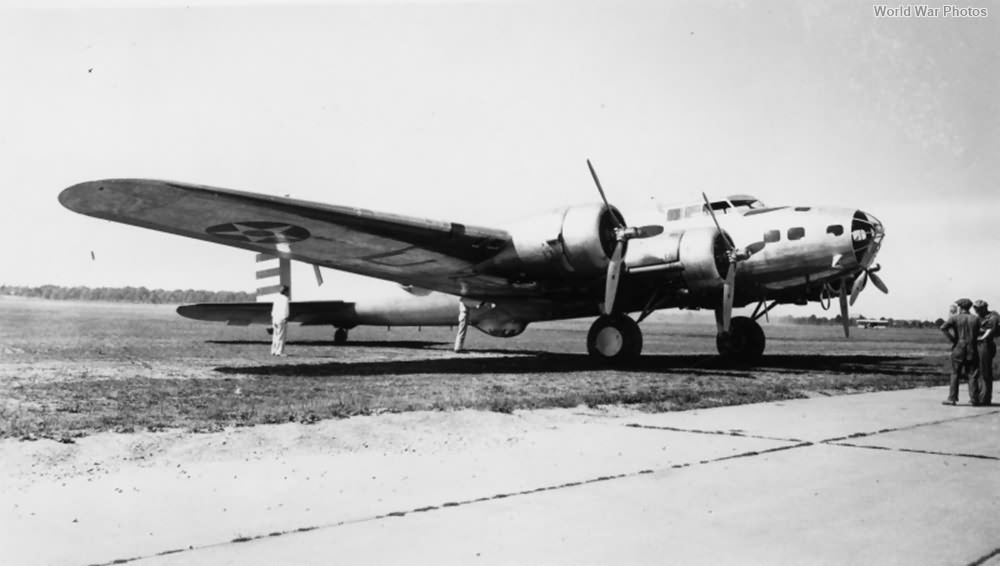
(842, 440)
(916, 451)
(983, 559)
(451, 504)
(735, 433)
(908, 427)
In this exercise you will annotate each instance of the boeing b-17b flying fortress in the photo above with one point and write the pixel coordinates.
(578, 261)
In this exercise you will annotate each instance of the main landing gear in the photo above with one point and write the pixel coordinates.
(743, 343)
(340, 336)
(614, 338)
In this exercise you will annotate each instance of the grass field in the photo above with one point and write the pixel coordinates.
(71, 369)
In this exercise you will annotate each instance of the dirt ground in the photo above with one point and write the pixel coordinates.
(72, 369)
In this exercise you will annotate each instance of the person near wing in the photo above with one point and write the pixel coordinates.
(463, 327)
(279, 321)
(962, 331)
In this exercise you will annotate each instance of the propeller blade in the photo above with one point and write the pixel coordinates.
(843, 309)
(319, 276)
(859, 285)
(601, 190)
(648, 231)
(728, 291)
(611, 284)
(878, 282)
(708, 205)
(754, 248)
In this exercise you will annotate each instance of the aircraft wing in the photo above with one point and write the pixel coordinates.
(424, 253)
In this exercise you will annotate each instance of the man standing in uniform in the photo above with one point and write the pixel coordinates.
(988, 322)
(279, 321)
(463, 326)
(965, 326)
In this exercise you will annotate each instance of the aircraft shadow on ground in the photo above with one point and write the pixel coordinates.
(414, 344)
(528, 362)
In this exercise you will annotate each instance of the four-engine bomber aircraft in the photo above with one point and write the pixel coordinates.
(575, 262)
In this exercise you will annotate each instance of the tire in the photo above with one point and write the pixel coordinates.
(743, 343)
(340, 336)
(614, 339)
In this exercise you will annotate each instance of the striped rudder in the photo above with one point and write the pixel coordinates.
(272, 273)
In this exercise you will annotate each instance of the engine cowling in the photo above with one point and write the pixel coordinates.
(576, 241)
(502, 328)
(703, 253)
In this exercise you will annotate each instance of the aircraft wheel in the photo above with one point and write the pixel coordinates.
(340, 336)
(744, 342)
(614, 338)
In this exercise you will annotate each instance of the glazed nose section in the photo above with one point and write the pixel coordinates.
(866, 234)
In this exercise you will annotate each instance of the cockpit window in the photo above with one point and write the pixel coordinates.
(744, 205)
(722, 205)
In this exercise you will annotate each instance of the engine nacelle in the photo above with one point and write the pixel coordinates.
(703, 253)
(502, 328)
(574, 241)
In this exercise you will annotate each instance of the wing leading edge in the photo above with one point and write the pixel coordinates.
(425, 253)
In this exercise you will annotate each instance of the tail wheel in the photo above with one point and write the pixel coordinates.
(614, 338)
(744, 342)
(340, 336)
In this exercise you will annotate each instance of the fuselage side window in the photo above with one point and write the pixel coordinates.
(693, 210)
(772, 236)
(796, 233)
(673, 214)
(835, 229)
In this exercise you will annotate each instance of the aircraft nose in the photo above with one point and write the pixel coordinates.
(867, 232)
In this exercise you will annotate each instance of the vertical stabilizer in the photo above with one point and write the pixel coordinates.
(272, 273)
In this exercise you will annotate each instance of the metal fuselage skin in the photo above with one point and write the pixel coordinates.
(803, 254)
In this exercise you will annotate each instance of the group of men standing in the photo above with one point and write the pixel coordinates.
(972, 349)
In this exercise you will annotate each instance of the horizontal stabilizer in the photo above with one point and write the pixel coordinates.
(337, 313)
(435, 309)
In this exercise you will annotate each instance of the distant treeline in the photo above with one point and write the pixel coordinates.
(835, 321)
(126, 294)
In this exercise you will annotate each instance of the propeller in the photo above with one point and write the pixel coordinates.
(623, 234)
(735, 255)
(862, 280)
(843, 308)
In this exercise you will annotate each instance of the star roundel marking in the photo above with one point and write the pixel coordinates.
(259, 232)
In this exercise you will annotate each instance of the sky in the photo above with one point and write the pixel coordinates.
(484, 112)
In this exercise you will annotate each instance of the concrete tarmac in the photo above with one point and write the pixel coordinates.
(880, 478)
